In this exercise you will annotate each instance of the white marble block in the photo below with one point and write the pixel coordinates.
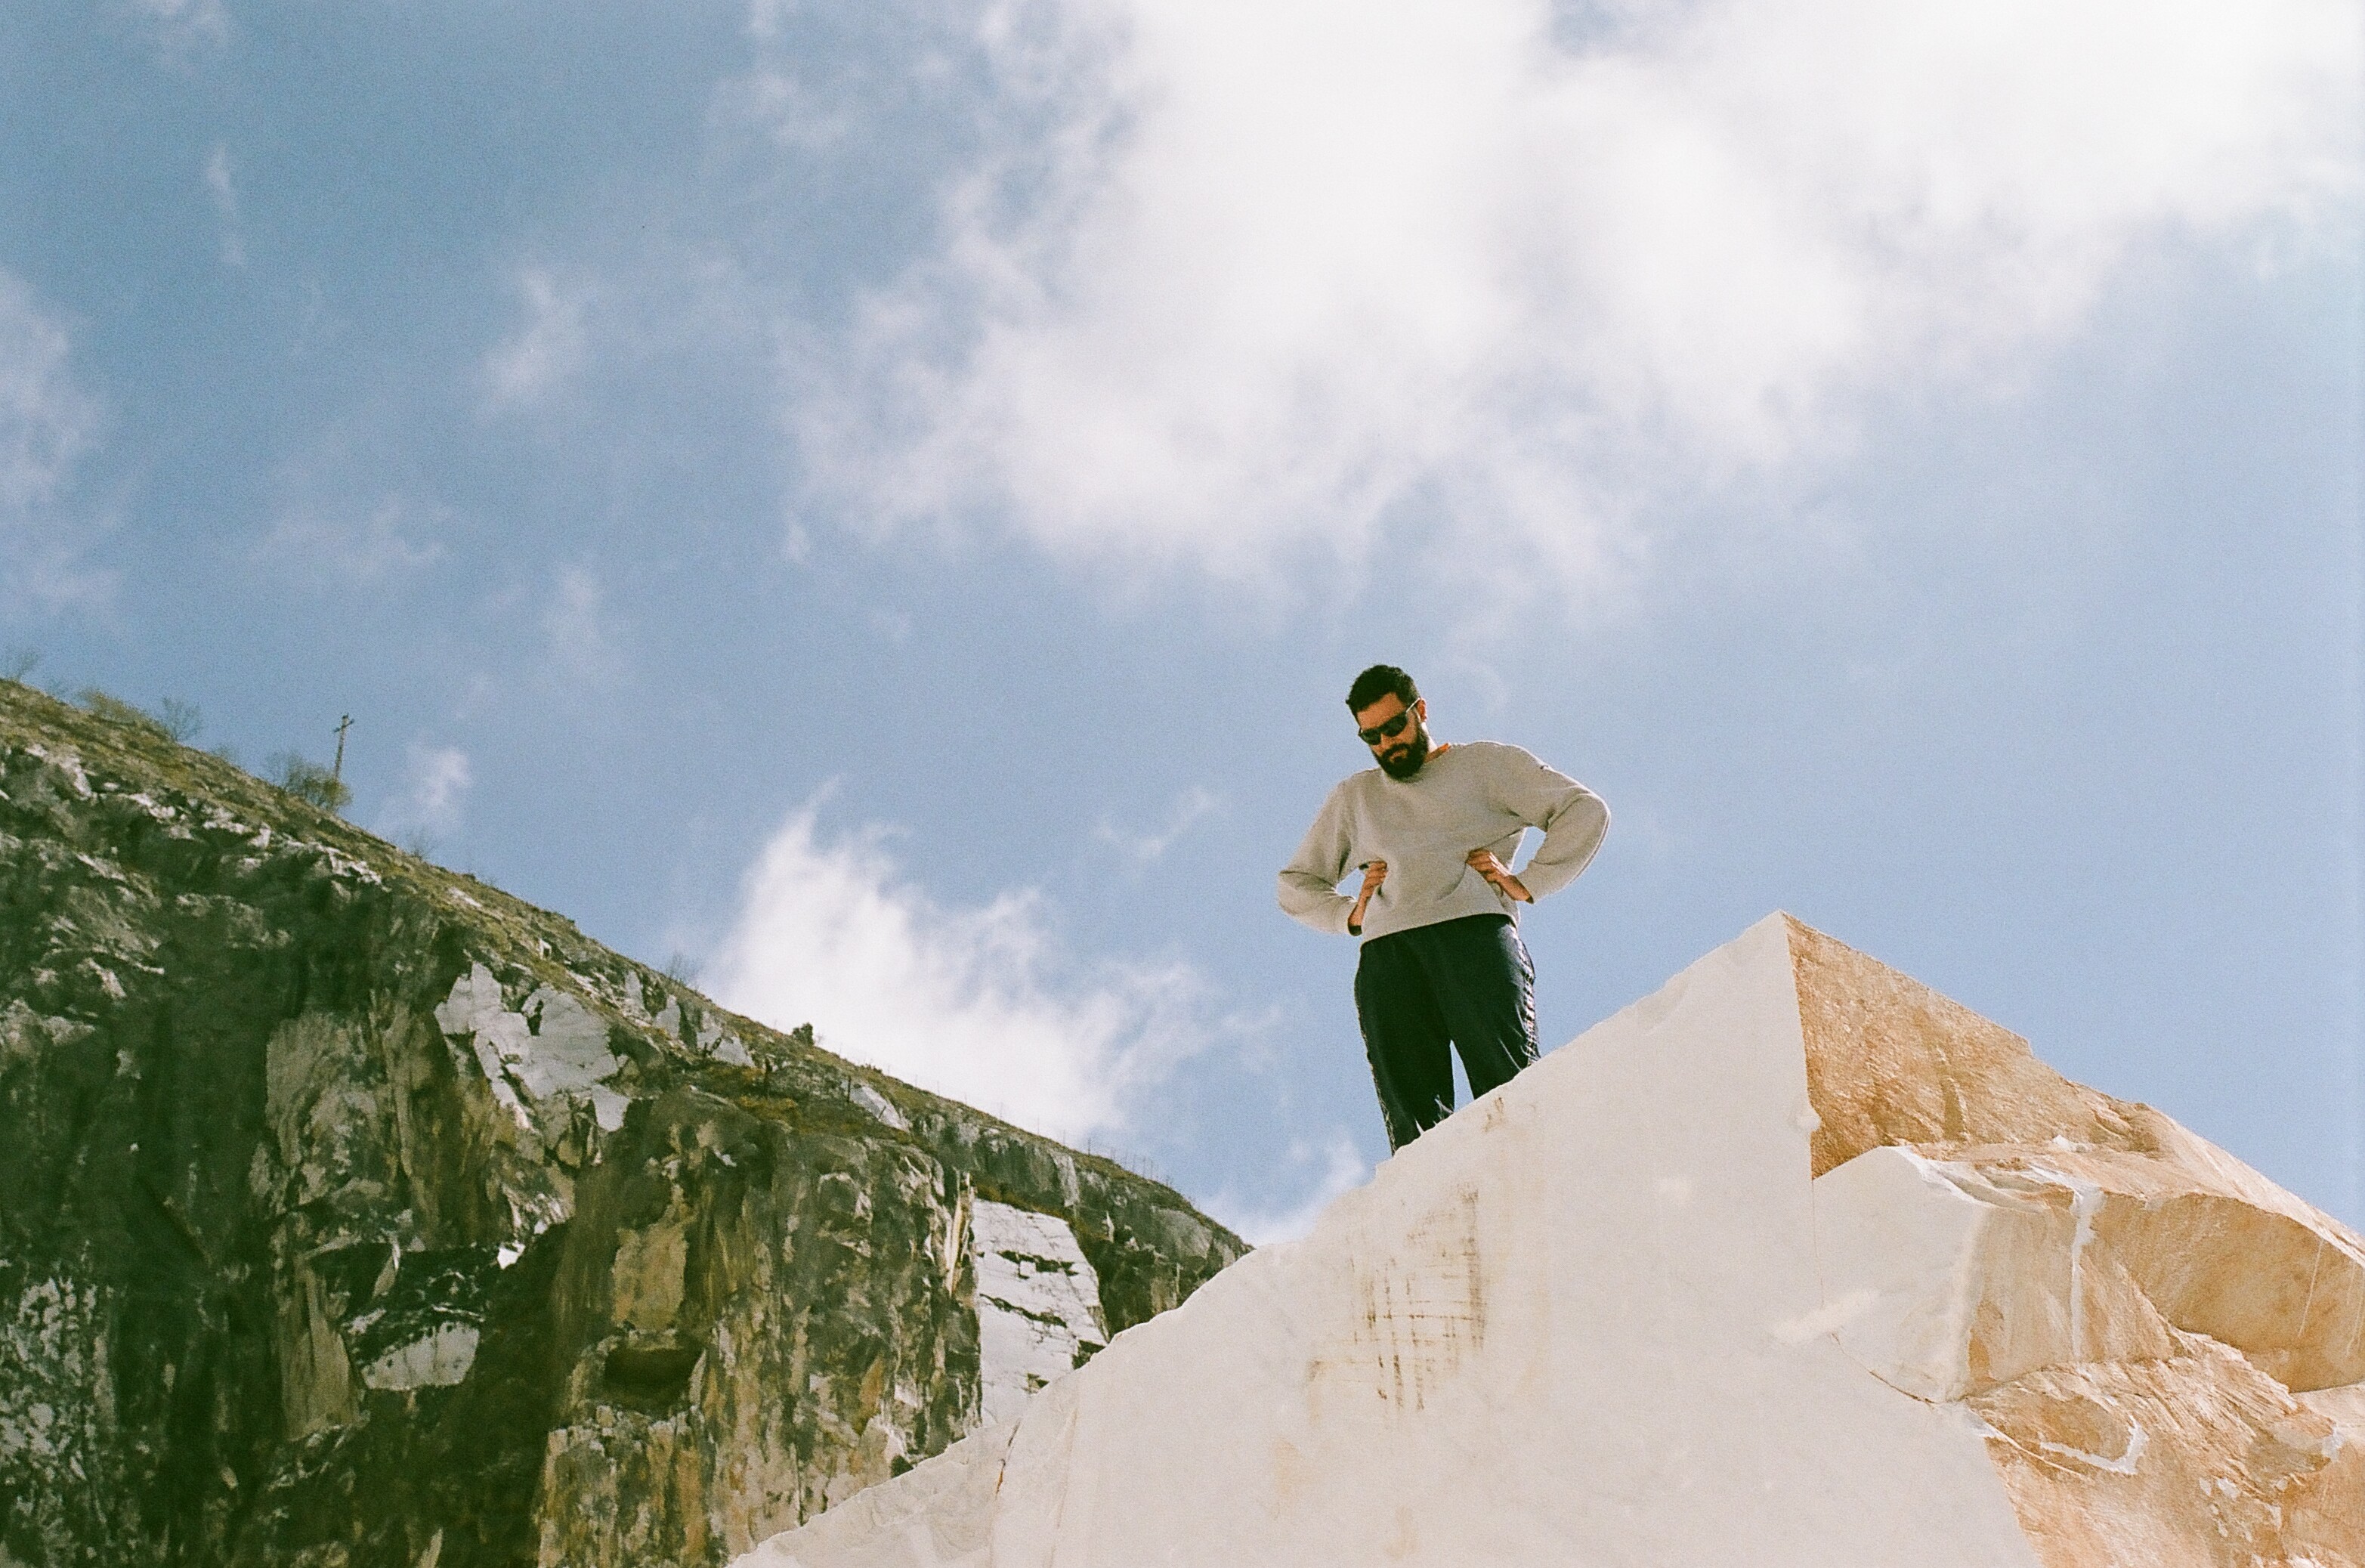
(1794, 1262)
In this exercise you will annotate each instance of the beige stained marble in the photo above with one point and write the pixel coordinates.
(2167, 1348)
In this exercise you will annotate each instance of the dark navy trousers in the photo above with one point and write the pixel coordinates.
(1467, 981)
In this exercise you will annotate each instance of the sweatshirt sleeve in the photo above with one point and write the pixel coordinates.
(1309, 883)
(1572, 817)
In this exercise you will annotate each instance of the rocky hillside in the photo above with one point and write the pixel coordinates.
(355, 1215)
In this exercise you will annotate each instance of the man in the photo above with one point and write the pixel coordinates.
(1431, 828)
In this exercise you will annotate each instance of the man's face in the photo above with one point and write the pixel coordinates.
(1401, 754)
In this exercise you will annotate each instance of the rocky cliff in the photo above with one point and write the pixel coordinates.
(355, 1215)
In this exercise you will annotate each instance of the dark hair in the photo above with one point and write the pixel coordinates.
(1377, 682)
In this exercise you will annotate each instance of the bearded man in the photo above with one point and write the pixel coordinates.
(1431, 829)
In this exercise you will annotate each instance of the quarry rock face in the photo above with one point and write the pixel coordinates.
(355, 1215)
(1795, 1262)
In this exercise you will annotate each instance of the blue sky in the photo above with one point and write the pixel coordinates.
(884, 502)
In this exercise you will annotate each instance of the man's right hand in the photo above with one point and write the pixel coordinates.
(1374, 873)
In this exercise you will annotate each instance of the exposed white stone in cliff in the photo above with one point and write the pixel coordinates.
(553, 1048)
(437, 1360)
(1039, 1305)
(878, 1105)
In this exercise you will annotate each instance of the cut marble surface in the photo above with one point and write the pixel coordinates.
(1795, 1253)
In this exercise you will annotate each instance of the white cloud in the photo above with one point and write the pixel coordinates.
(981, 1004)
(328, 545)
(1146, 849)
(223, 189)
(1261, 1222)
(435, 790)
(828, 75)
(48, 422)
(549, 347)
(574, 625)
(182, 24)
(1236, 281)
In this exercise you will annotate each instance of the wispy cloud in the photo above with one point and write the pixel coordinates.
(822, 75)
(1263, 1217)
(548, 347)
(1146, 849)
(183, 24)
(48, 423)
(223, 189)
(576, 631)
(434, 793)
(327, 544)
(983, 1004)
(1233, 283)
(45, 419)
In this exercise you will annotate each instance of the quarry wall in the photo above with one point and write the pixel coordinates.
(356, 1215)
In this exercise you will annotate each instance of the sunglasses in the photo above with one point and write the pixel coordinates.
(1385, 730)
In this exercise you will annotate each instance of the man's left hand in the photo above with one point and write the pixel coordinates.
(1483, 861)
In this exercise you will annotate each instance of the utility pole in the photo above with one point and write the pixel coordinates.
(338, 772)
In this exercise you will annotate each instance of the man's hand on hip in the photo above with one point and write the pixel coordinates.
(1483, 861)
(1374, 873)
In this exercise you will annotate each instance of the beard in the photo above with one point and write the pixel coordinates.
(1403, 760)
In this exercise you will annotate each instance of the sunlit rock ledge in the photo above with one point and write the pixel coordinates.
(1794, 1262)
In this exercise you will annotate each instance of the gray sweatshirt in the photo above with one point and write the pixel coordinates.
(1473, 795)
